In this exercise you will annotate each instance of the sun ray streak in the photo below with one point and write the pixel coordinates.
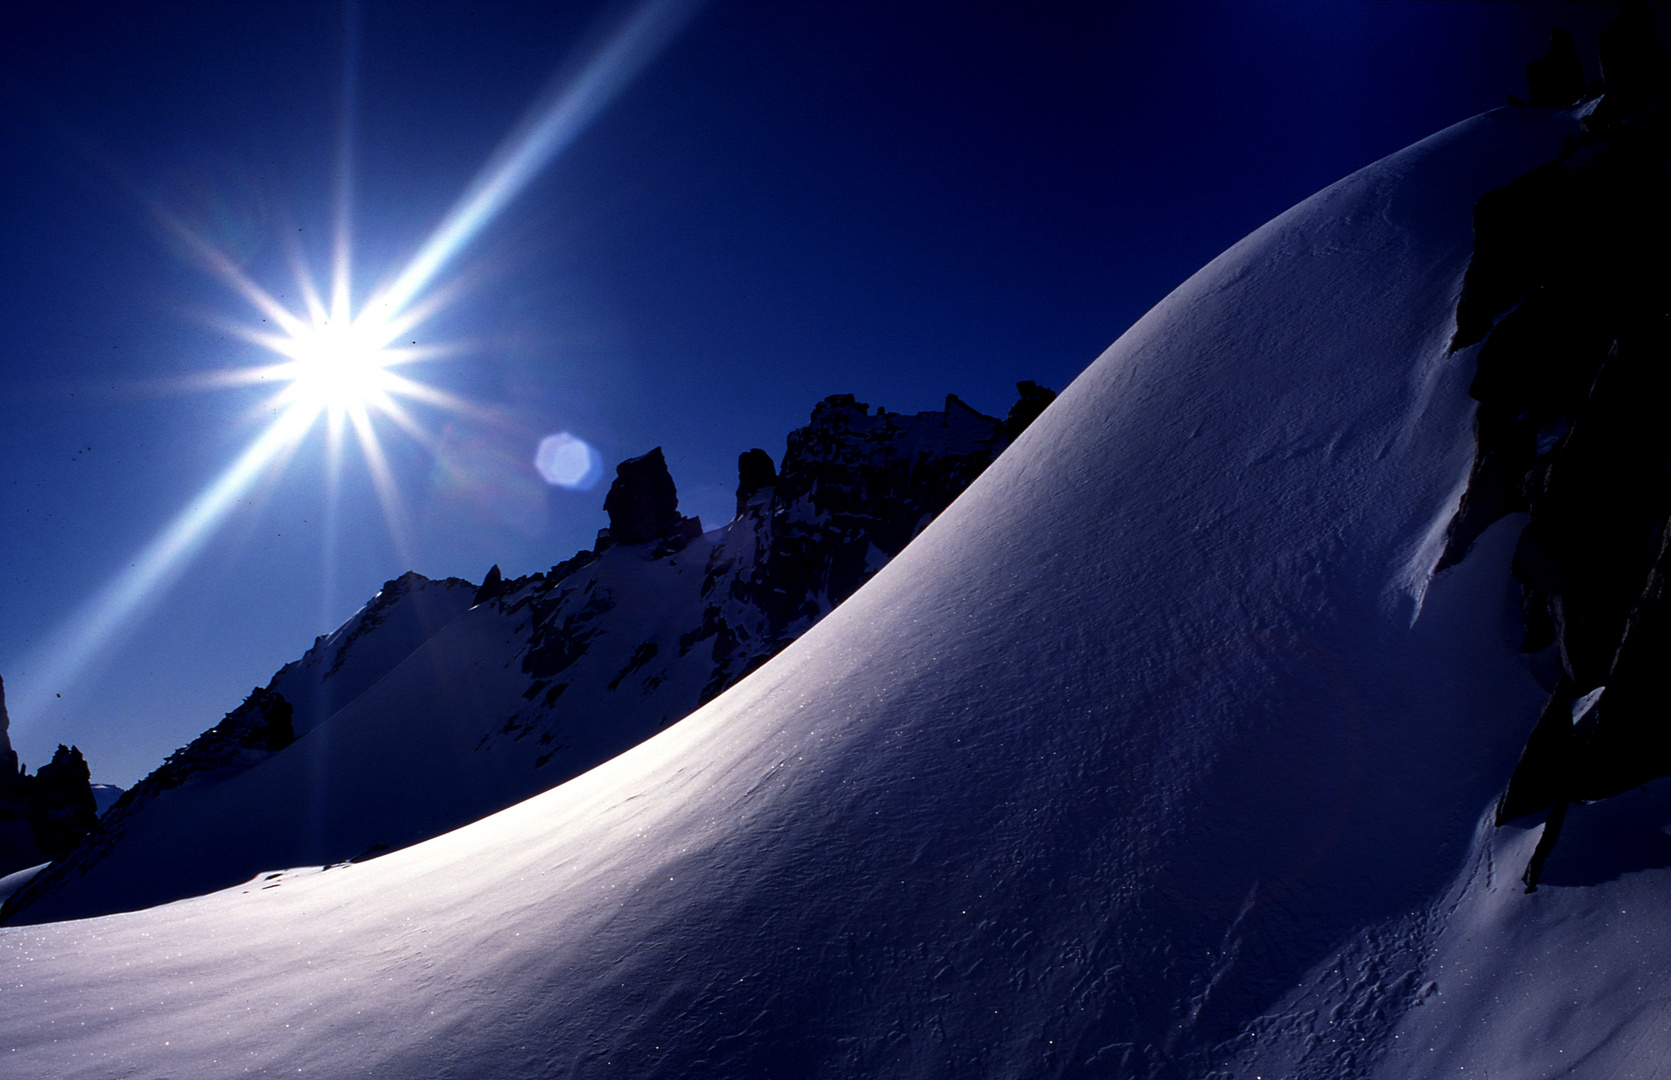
(114, 607)
(304, 282)
(431, 395)
(400, 323)
(224, 268)
(328, 533)
(337, 362)
(403, 420)
(417, 354)
(561, 114)
(394, 510)
(342, 233)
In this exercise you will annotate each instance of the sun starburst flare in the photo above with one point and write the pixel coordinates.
(340, 364)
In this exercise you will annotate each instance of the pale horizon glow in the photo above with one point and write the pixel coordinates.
(335, 362)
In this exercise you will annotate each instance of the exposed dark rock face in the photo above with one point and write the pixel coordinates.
(854, 489)
(1556, 78)
(9, 770)
(754, 473)
(17, 837)
(244, 737)
(562, 631)
(373, 615)
(1033, 401)
(44, 815)
(642, 503)
(1570, 291)
(62, 809)
(492, 585)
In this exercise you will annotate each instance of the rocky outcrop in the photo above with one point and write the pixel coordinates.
(755, 473)
(643, 504)
(492, 585)
(44, 815)
(1033, 401)
(9, 768)
(62, 809)
(1556, 78)
(854, 489)
(1570, 293)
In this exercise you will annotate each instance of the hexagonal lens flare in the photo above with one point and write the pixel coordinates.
(338, 364)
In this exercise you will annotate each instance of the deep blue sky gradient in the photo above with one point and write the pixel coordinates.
(896, 200)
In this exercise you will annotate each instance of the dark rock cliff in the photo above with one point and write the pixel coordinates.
(643, 503)
(44, 815)
(853, 490)
(1570, 292)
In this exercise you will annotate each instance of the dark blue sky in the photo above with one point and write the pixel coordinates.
(895, 200)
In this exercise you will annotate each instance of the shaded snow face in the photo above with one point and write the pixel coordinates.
(1082, 784)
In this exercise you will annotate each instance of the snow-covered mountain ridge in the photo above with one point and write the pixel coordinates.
(489, 694)
(1160, 753)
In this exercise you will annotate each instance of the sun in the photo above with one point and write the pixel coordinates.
(338, 367)
(334, 361)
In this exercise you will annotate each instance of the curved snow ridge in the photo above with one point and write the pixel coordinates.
(406, 612)
(1085, 782)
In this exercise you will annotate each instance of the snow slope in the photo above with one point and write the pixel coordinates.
(427, 710)
(343, 664)
(1158, 754)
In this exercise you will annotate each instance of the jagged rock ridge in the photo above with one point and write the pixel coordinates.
(489, 694)
(45, 815)
(1570, 292)
(854, 489)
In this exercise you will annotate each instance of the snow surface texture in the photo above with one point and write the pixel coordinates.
(428, 710)
(1158, 754)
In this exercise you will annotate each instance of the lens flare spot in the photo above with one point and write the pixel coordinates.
(568, 461)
